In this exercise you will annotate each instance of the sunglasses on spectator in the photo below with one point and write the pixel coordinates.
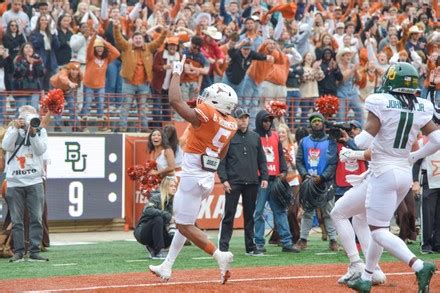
(196, 47)
(267, 120)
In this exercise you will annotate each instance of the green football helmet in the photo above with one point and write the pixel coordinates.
(400, 77)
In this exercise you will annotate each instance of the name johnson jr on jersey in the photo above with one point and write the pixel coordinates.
(226, 124)
(394, 104)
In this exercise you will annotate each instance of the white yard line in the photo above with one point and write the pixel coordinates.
(64, 264)
(202, 257)
(138, 260)
(210, 257)
(66, 243)
(162, 284)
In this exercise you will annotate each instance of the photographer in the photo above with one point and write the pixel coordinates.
(25, 145)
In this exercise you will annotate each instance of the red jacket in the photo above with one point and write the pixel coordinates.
(347, 168)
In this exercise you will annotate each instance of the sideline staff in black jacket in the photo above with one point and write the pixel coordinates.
(240, 172)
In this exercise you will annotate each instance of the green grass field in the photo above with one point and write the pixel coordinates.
(128, 256)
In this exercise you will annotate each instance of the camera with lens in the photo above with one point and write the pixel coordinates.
(334, 129)
(33, 120)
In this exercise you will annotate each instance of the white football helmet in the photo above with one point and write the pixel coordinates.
(221, 96)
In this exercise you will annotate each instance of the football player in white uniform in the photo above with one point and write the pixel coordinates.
(395, 117)
(352, 205)
(210, 131)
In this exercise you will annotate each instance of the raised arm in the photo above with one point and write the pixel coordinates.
(175, 96)
(120, 41)
(175, 10)
(104, 9)
(113, 52)
(154, 45)
(135, 11)
(432, 131)
(435, 8)
(90, 48)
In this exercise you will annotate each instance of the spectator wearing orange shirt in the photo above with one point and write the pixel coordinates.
(136, 72)
(68, 79)
(99, 54)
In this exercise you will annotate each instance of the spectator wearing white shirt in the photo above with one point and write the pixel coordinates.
(78, 43)
(339, 34)
(25, 146)
(16, 13)
(43, 9)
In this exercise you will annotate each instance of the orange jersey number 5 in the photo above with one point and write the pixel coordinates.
(219, 140)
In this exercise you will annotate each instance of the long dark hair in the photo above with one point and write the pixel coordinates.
(171, 133)
(60, 19)
(104, 54)
(47, 30)
(21, 51)
(165, 143)
(407, 100)
(8, 28)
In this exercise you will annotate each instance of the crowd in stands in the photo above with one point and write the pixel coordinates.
(265, 50)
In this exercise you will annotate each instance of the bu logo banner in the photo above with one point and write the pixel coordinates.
(76, 157)
(85, 177)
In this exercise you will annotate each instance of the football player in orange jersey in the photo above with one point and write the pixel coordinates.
(210, 131)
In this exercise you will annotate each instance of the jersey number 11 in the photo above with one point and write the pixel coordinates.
(403, 129)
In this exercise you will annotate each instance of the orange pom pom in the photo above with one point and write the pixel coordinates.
(327, 105)
(141, 174)
(276, 108)
(54, 101)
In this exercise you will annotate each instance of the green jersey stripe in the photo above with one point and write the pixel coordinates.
(399, 131)
(408, 127)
